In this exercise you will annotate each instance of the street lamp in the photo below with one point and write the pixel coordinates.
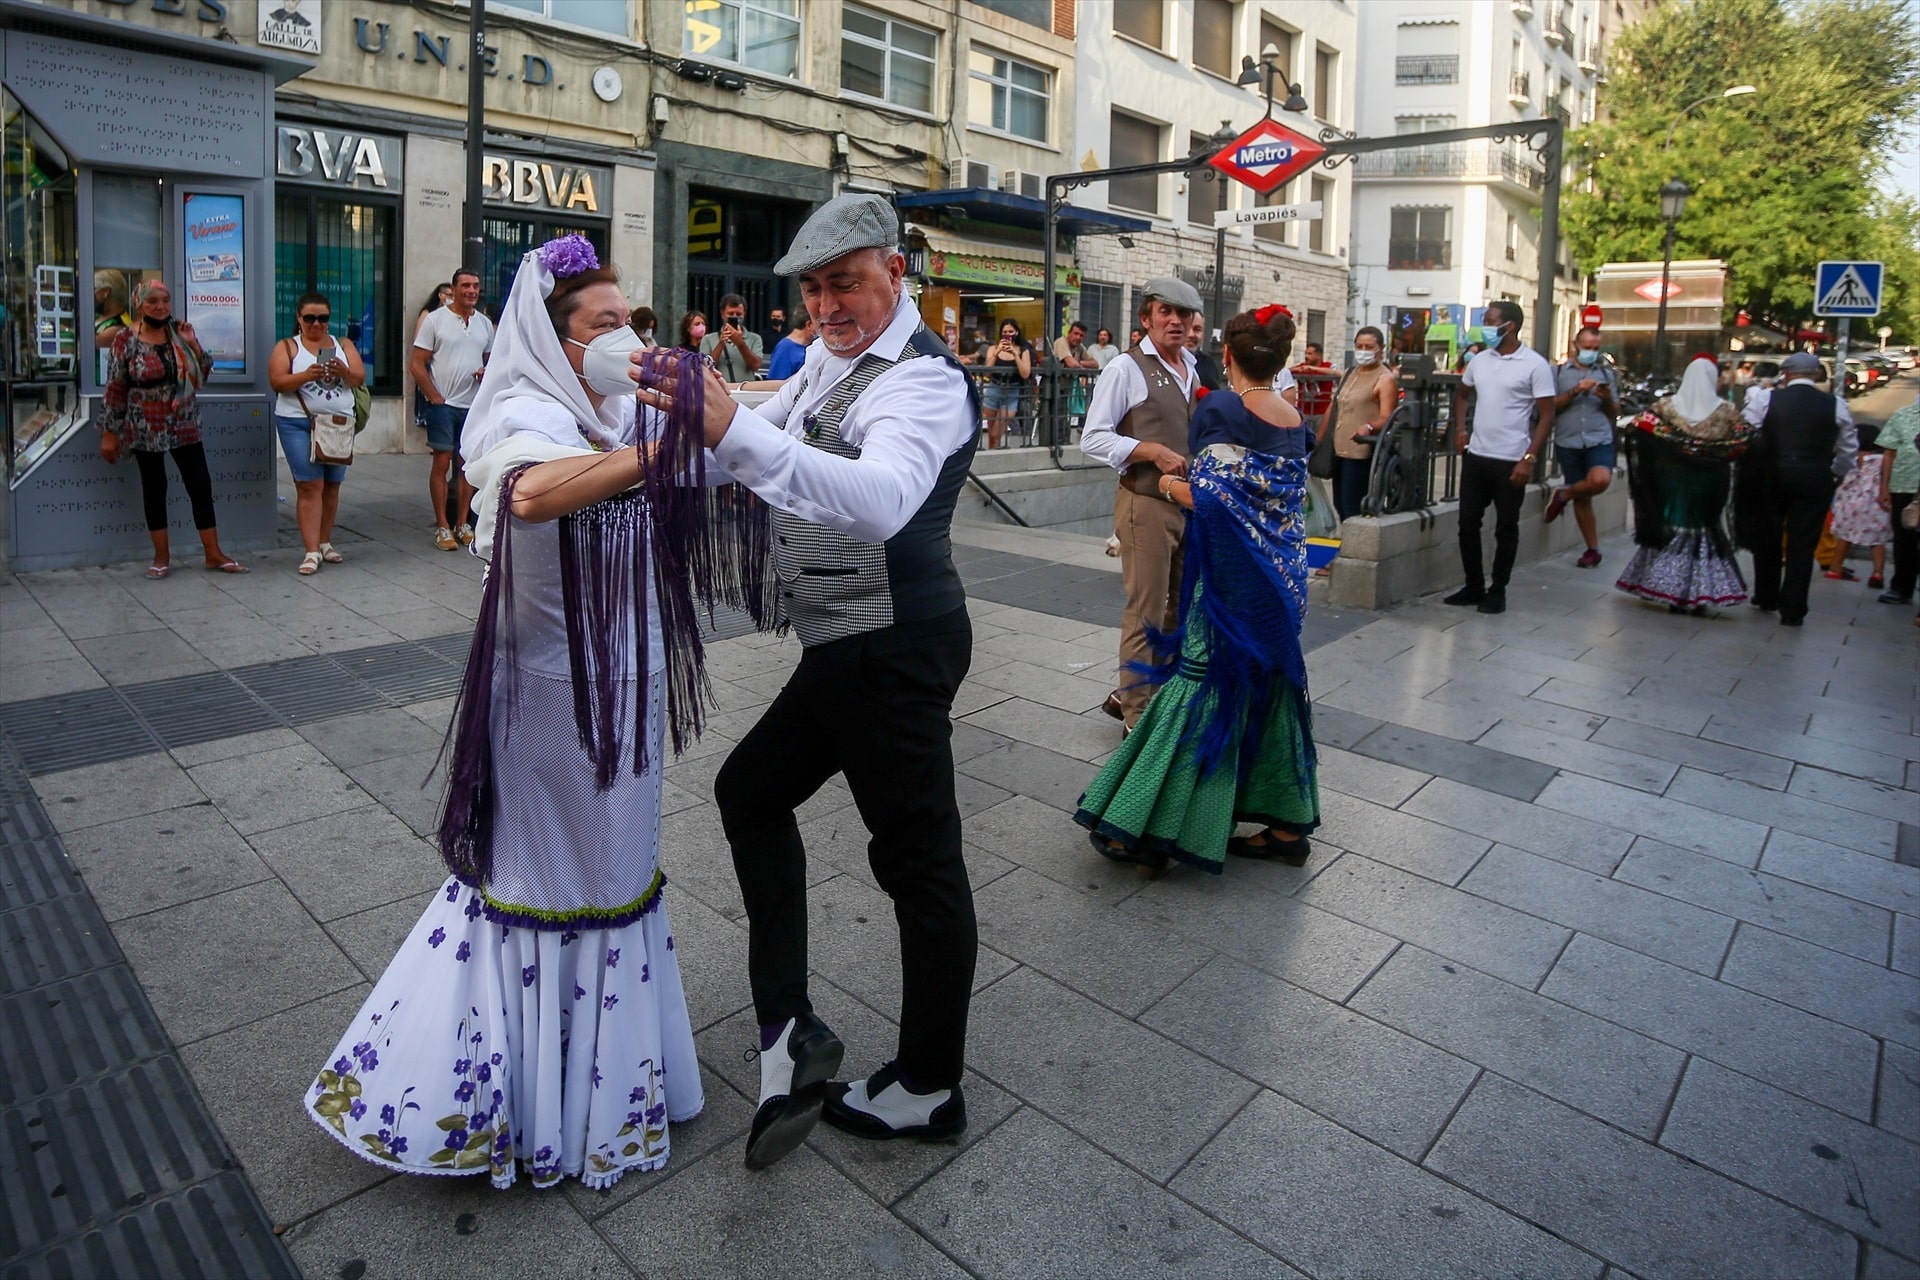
(1673, 202)
(1738, 91)
(1264, 74)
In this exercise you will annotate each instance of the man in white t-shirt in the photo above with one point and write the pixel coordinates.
(449, 355)
(1513, 393)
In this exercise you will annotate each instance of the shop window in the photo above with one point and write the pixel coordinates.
(732, 242)
(44, 342)
(128, 214)
(1007, 96)
(1417, 240)
(1206, 188)
(1131, 141)
(610, 16)
(1143, 20)
(761, 34)
(1213, 36)
(1038, 13)
(348, 250)
(1317, 229)
(883, 58)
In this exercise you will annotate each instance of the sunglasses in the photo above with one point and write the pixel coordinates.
(311, 319)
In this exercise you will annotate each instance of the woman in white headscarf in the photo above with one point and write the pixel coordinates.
(535, 1014)
(1679, 456)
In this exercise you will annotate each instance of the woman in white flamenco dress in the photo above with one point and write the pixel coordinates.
(535, 1014)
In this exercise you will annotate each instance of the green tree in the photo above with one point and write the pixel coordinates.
(1781, 179)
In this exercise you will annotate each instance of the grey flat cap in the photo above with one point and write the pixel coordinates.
(840, 226)
(1803, 362)
(1173, 292)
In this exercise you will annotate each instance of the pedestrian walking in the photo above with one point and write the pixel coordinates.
(1680, 456)
(313, 372)
(534, 1018)
(1899, 480)
(1512, 391)
(1786, 484)
(1858, 518)
(1585, 407)
(1226, 738)
(736, 350)
(449, 356)
(1137, 424)
(149, 408)
(861, 456)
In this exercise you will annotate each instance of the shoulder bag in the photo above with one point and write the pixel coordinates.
(1323, 463)
(332, 433)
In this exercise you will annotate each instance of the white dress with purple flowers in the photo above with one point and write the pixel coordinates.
(539, 1019)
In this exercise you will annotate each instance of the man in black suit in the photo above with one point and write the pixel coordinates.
(1807, 444)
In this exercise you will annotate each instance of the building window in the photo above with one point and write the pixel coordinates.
(1317, 329)
(1272, 33)
(761, 34)
(1134, 141)
(1417, 240)
(887, 59)
(1213, 36)
(1513, 239)
(614, 18)
(1142, 20)
(1325, 94)
(1317, 229)
(1100, 309)
(1275, 232)
(1427, 53)
(1007, 96)
(1206, 188)
(349, 250)
(1039, 13)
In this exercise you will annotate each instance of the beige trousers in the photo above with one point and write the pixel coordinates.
(1152, 533)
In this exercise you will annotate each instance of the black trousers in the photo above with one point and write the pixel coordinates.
(1906, 549)
(1484, 482)
(1795, 512)
(191, 461)
(875, 707)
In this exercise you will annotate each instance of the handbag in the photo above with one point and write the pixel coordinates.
(332, 438)
(362, 408)
(1322, 463)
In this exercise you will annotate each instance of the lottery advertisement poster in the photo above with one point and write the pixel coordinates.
(216, 285)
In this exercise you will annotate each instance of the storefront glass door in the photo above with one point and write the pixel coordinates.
(41, 329)
(732, 244)
(350, 251)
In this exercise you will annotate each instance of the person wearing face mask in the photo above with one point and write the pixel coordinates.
(1584, 412)
(643, 321)
(543, 969)
(736, 350)
(1366, 398)
(693, 330)
(1512, 390)
(791, 351)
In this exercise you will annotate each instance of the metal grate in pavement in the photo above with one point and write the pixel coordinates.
(453, 648)
(198, 708)
(303, 690)
(58, 1036)
(404, 672)
(34, 870)
(68, 730)
(52, 941)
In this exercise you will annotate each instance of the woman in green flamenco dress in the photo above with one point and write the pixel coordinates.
(1227, 738)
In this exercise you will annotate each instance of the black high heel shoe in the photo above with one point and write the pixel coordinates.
(1273, 846)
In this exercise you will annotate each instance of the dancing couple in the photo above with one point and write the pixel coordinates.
(535, 1017)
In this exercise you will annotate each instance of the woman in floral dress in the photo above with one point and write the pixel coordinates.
(535, 1014)
(1679, 456)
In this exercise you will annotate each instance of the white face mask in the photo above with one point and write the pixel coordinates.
(605, 368)
(1364, 358)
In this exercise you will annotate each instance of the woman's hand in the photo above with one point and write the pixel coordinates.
(659, 375)
(110, 446)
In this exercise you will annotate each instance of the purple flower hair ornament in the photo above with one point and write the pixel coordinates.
(568, 256)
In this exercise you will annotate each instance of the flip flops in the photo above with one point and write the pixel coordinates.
(159, 570)
(228, 566)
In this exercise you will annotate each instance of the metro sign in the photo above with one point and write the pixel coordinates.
(1651, 290)
(1268, 155)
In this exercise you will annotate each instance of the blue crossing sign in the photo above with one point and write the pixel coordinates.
(1847, 289)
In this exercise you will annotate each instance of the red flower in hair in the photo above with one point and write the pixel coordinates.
(1268, 312)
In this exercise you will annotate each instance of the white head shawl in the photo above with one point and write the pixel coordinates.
(1699, 393)
(529, 362)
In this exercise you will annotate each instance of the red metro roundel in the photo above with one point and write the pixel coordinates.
(1267, 155)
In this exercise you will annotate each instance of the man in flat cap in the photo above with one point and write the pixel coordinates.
(1806, 445)
(1137, 424)
(861, 454)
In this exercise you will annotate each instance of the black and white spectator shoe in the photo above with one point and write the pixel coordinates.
(794, 1075)
(881, 1107)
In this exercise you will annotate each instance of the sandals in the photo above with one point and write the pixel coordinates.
(159, 570)
(309, 564)
(1875, 583)
(228, 566)
(328, 554)
(1270, 847)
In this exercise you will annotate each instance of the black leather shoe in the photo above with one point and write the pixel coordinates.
(1496, 602)
(794, 1075)
(1792, 622)
(880, 1107)
(1465, 596)
(1292, 852)
(1894, 597)
(1113, 708)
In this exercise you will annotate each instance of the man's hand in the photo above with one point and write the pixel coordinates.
(1522, 473)
(658, 373)
(1169, 462)
(1585, 385)
(1460, 442)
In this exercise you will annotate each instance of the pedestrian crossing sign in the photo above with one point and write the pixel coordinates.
(1847, 289)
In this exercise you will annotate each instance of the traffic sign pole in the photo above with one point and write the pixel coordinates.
(1840, 359)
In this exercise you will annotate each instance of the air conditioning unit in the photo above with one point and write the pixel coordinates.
(962, 172)
(1022, 182)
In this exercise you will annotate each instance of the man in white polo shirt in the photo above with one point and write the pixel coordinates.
(1512, 388)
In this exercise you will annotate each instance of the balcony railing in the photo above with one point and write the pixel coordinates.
(1433, 69)
(1456, 160)
(1520, 88)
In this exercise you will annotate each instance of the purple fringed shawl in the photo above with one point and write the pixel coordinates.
(710, 546)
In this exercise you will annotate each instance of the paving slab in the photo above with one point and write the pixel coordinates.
(1400, 837)
(1361, 1074)
(80, 798)
(371, 735)
(344, 863)
(1578, 755)
(1031, 834)
(162, 859)
(853, 940)
(722, 1124)
(1783, 906)
(1566, 837)
(1034, 1200)
(1684, 749)
(277, 788)
(1807, 1055)
(1853, 829)
(1861, 794)
(1898, 1107)
(1854, 761)
(1364, 777)
(1050, 777)
(1648, 1210)
(1357, 1210)
(1496, 771)
(1079, 736)
(1473, 930)
(1687, 826)
(1599, 1067)
(1875, 999)
(1844, 1171)
(1864, 877)
(371, 938)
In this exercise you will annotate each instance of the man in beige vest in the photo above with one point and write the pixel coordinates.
(1137, 424)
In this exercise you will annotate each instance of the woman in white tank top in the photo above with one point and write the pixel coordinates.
(313, 372)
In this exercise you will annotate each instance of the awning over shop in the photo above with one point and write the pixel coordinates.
(963, 260)
(943, 241)
(988, 205)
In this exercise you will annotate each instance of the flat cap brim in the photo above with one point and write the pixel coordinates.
(1802, 362)
(1172, 291)
(837, 228)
